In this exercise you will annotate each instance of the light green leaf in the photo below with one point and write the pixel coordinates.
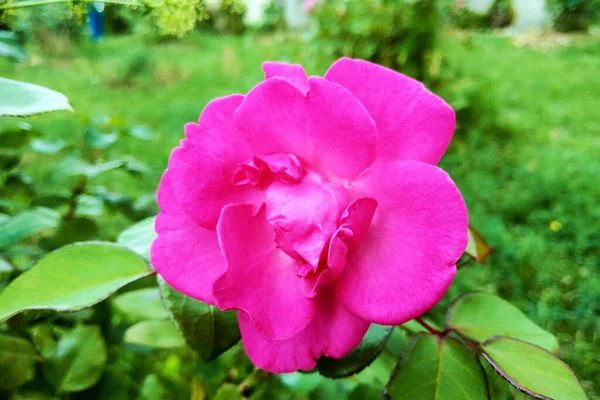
(359, 358)
(160, 334)
(436, 368)
(139, 237)
(477, 248)
(480, 316)
(228, 392)
(10, 47)
(48, 146)
(72, 278)
(78, 360)
(208, 330)
(20, 99)
(153, 389)
(27, 224)
(97, 140)
(141, 304)
(17, 362)
(532, 370)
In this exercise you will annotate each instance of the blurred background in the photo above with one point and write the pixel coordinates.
(522, 75)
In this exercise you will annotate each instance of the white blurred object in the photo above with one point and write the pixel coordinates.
(479, 6)
(255, 12)
(294, 12)
(531, 14)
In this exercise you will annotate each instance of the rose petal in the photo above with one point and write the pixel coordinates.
(203, 167)
(327, 128)
(294, 73)
(412, 122)
(260, 278)
(354, 225)
(334, 332)
(305, 216)
(407, 261)
(186, 255)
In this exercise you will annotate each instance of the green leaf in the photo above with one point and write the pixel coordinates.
(208, 330)
(78, 360)
(141, 132)
(27, 224)
(228, 392)
(139, 237)
(17, 362)
(438, 369)
(153, 389)
(363, 355)
(160, 334)
(9, 47)
(480, 316)
(532, 370)
(141, 304)
(477, 248)
(21, 99)
(71, 230)
(365, 392)
(97, 140)
(73, 166)
(48, 146)
(6, 269)
(72, 278)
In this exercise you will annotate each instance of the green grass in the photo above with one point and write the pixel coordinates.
(529, 167)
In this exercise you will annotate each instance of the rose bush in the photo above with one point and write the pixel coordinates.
(313, 206)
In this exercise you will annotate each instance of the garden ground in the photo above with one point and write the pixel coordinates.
(526, 155)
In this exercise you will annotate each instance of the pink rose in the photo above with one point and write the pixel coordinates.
(313, 206)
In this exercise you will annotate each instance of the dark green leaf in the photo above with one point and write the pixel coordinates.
(71, 230)
(438, 369)
(532, 370)
(480, 316)
(17, 361)
(477, 248)
(51, 201)
(72, 278)
(397, 342)
(27, 224)
(139, 237)
(141, 304)
(365, 392)
(160, 334)
(21, 99)
(43, 339)
(363, 355)
(208, 330)
(78, 360)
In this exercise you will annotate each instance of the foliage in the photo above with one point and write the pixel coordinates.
(226, 16)
(574, 15)
(274, 18)
(55, 28)
(500, 14)
(402, 35)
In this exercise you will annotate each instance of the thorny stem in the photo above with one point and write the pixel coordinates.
(430, 328)
(34, 3)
